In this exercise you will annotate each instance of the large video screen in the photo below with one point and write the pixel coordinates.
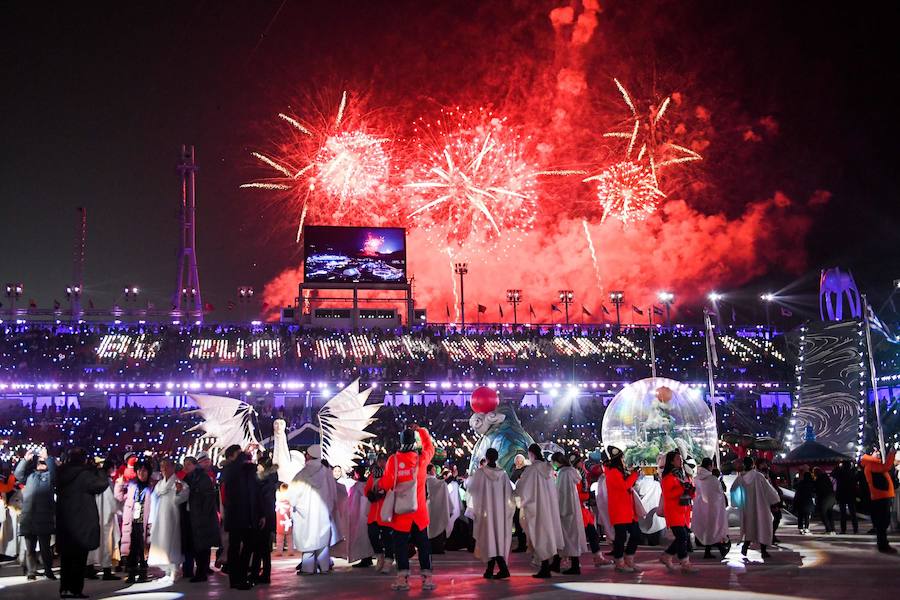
(363, 255)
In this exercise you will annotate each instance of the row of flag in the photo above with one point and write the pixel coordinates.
(482, 309)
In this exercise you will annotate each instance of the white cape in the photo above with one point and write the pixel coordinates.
(110, 534)
(339, 520)
(756, 512)
(165, 523)
(540, 510)
(568, 481)
(601, 507)
(438, 507)
(709, 520)
(358, 545)
(492, 506)
(313, 496)
(650, 492)
(453, 492)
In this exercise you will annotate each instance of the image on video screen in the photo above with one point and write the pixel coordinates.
(354, 255)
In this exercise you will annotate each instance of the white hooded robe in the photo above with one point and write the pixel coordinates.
(492, 506)
(568, 481)
(165, 523)
(709, 520)
(438, 507)
(601, 506)
(108, 508)
(539, 514)
(313, 497)
(650, 492)
(358, 545)
(756, 514)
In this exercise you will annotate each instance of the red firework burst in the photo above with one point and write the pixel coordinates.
(627, 191)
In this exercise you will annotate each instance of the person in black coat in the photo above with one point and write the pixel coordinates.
(241, 513)
(803, 501)
(267, 474)
(38, 519)
(77, 519)
(203, 506)
(845, 476)
(825, 499)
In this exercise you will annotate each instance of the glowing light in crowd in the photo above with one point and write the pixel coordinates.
(474, 181)
(627, 191)
(332, 171)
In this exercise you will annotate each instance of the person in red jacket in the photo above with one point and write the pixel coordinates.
(587, 515)
(410, 464)
(677, 494)
(380, 535)
(881, 490)
(619, 482)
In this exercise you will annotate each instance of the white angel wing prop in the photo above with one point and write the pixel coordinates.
(343, 421)
(227, 420)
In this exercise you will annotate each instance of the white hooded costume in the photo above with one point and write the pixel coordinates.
(709, 520)
(438, 507)
(165, 524)
(650, 493)
(568, 481)
(601, 506)
(314, 499)
(539, 514)
(110, 533)
(756, 513)
(357, 533)
(492, 506)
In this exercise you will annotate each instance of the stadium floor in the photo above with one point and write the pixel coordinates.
(816, 566)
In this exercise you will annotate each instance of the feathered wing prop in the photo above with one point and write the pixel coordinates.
(228, 420)
(342, 422)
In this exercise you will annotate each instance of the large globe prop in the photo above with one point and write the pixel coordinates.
(658, 415)
(484, 400)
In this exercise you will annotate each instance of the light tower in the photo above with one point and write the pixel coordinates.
(75, 290)
(187, 253)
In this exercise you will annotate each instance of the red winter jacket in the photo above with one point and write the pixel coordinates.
(411, 465)
(587, 515)
(676, 514)
(618, 490)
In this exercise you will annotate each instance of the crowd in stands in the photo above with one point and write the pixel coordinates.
(34, 352)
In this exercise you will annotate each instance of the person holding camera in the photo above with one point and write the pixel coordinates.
(38, 519)
(678, 494)
(404, 475)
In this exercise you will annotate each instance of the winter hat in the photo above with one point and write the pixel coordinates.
(315, 451)
(407, 440)
(202, 456)
(613, 452)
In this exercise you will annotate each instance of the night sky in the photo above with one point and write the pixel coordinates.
(98, 97)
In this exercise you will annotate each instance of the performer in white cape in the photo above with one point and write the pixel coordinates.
(568, 480)
(439, 524)
(491, 502)
(339, 515)
(539, 514)
(313, 497)
(110, 533)
(359, 548)
(165, 521)
(756, 513)
(601, 505)
(709, 520)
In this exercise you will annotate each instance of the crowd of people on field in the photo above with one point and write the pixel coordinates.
(149, 515)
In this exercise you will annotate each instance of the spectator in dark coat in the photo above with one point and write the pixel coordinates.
(803, 501)
(267, 474)
(203, 506)
(77, 519)
(846, 479)
(825, 499)
(38, 519)
(241, 513)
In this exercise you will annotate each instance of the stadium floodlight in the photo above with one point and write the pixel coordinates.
(667, 298)
(514, 297)
(617, 297)
(461, 269)
(767, 297)
(566, 297)
(715, 296)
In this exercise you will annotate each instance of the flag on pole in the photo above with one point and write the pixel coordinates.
(482, 309)
(733, 316)
(605, 310)
(554, 308)
(878, 325)
(786, 312)
(637, 310)
(231, 305)
(32, 304)
(711, 340)
(531, 311)
(500, 306)
(657, 310)
(585, 311)
(448, 311)
(56, 305)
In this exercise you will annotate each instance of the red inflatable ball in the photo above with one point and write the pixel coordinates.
(485, 400)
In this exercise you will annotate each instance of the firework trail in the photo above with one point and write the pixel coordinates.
(335, 172)
(590, 242)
